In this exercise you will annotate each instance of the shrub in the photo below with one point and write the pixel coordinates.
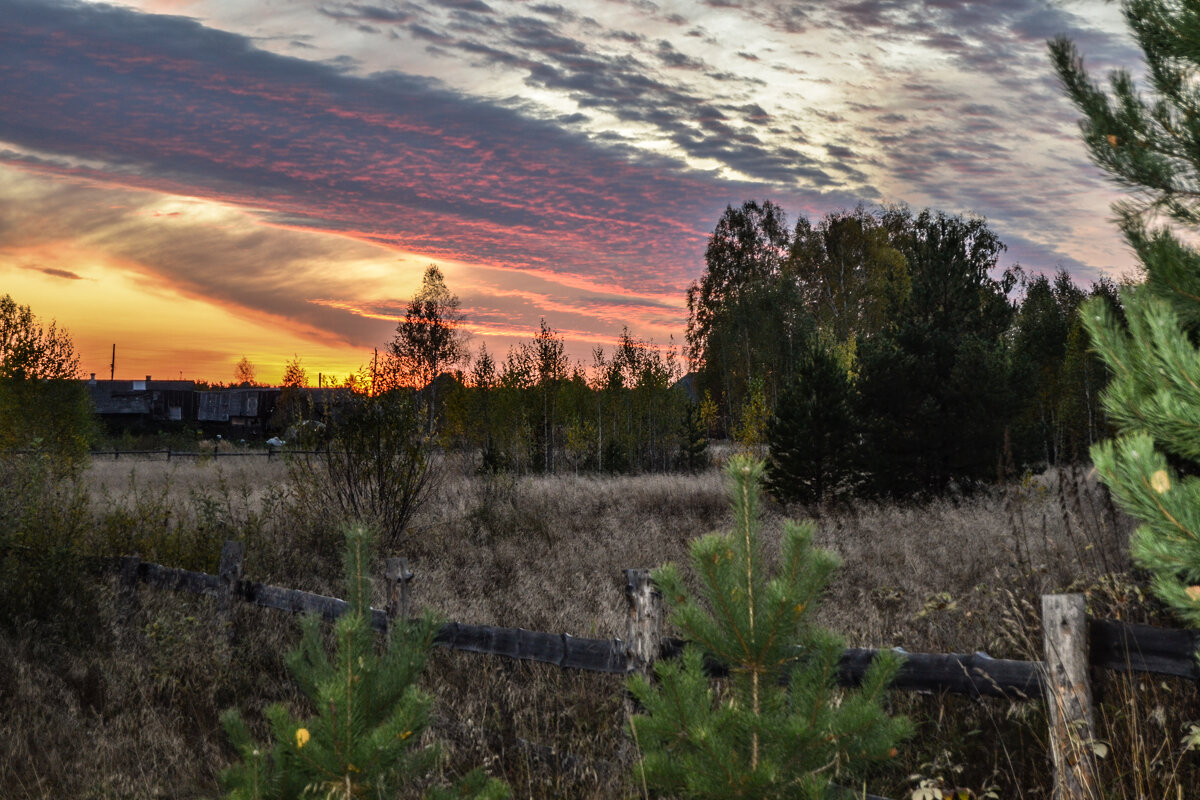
(376, 465)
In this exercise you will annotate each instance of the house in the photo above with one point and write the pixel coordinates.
(133, 403)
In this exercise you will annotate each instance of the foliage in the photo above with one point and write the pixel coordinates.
(44, 523)
(537, 411)
(428, 341)
(754, 416)
(814, 434)
(746, 319)
(244, 373)
(29, 351)
(693, 448)
(1150, 146)
(1146, 145)
(43, 406)
(1054, 370)
(375, 465)
(294, 375)
(934, 390)
(758, 737)
(852, 277)
(364, 739)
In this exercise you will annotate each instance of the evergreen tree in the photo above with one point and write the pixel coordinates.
(693, 447)
(934, 388)
(1152, 147)
(814, 434)
(1041, 335)
(364, 739)
(781, 729)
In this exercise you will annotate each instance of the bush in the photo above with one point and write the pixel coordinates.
(43, 522)
(375, 465)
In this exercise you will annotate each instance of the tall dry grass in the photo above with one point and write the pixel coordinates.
(134, 714)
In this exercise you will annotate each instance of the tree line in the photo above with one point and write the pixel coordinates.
(875, 352)
(886, 353)
(534, 410)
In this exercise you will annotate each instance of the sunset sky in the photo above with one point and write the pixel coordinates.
(198, 180)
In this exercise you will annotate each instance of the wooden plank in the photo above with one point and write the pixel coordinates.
(179, 580)
(291, 600)
(563, 650)
(1069, 697)
(1125, 647)
(974, 674)
(1118, 646)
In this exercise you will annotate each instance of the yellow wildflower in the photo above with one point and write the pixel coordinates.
(302, 737)
(1159, 481)
(1194, 593)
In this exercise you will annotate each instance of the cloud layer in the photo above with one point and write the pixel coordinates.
(569, 161)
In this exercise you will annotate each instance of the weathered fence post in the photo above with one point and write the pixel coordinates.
(643, 627)
(1069, 697)
(230, 572)
(398, 591)
(128, 594)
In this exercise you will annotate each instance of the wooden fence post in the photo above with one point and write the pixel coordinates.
(1069, 697)
(398, 578)
(128, 594)
(230, 572)
(643, 627)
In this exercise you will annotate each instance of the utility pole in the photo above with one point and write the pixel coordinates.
(112, 365)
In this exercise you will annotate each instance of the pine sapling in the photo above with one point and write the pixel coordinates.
(363, 740)
(781, 728)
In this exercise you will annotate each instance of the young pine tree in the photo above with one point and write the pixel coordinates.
(363, 740)
(693, 447)
(781, 728)
(1152, 400)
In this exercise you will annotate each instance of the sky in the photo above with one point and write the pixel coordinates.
(194, 181)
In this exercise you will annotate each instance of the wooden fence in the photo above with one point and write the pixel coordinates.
(1073, 644)
(168, 454)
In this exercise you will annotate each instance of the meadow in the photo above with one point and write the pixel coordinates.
(93, 706)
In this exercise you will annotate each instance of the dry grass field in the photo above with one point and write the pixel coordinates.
(93, 706)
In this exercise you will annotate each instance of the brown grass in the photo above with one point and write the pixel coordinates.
(134, 713)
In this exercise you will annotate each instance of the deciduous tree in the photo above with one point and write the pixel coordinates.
(429, 340)
(745, 315)
(244, 373)
(43, 405)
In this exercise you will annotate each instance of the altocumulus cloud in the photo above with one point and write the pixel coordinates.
(164, 103)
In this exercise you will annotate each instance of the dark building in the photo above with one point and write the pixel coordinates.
(248, 407)
(137, 403)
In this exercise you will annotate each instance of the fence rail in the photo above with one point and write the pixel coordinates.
(1114, 645)
(1072, 643)
(170, 453)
